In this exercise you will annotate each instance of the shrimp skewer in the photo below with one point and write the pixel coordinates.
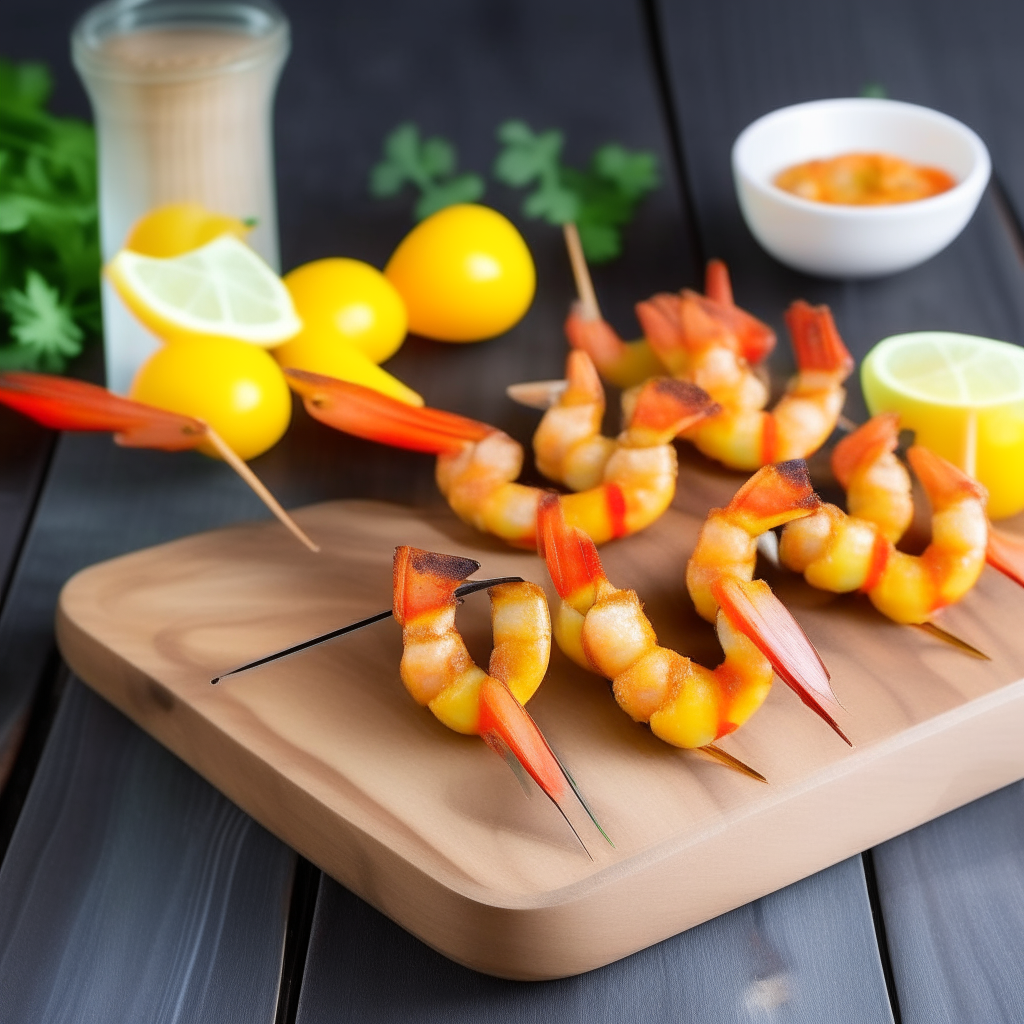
(65, 404)
(878, 489)
(720, 574)
(842, 553)
(439, 673)
(695, 346)
(628, 363)
(477, 464)
(604, 630)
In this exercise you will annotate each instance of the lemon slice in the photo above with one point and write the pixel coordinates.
(964, 398)
(220, 290)
(180, 227)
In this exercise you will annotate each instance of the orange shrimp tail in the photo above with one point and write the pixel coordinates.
(755, 611)
(507, 728)
(880, 434)
(717, 285)
(774, 495)
(1005, 552)
(368, 414)
(816, 341)
(425, 581)
(64, 404)
(942, 481)
(667, 406)
(660, 320)
(583, 384)
(595, 337)
(570, 554)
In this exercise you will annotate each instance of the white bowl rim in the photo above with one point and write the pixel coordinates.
(976, 179)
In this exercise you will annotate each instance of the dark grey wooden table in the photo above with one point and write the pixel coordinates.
(130, 890)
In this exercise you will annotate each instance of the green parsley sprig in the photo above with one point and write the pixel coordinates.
(427, 164)
(599, 201)
(49, 236)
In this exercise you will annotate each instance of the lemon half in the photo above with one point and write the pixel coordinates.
(220, 290)
(964, 398)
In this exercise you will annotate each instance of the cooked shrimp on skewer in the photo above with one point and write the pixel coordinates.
(843, 553)
(878, 489)
(628, 363)
(743, 435)
(720, 574)
(477, 464)
(439, 673)
(604, 629)
(65, 404)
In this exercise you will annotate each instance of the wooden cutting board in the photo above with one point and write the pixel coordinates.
(328, 751)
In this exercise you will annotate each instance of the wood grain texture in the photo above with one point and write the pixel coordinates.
(762, 962)
(163, 893)
(729, 66)
(327, 750)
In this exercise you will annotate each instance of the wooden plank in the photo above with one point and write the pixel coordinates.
(169, 901)
(437, 837)
(765, 961)
(728, 69)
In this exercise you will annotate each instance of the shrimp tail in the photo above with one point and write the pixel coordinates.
(507, 728)
(368, 414)
(64, 404)
(1005, 552)
(622, 363)
(774, 495)
(816, 341)
(424, 581)
(865, 445)
(571, 556)
(666, 406)
(752, 608)
(943, 482)
(717, 285)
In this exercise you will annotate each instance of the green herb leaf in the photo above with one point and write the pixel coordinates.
(599, 200)
(428, 165)
(49, 231)
(45, 332)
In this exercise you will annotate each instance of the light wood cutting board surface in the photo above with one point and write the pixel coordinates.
(328, 751)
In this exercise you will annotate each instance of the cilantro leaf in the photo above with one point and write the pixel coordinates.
(428, 165)
(49, 225)
(599, 200)
(45, 332)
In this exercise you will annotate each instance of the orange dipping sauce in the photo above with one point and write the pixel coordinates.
(863, 179)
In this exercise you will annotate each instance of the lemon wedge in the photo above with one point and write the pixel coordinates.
(963, 396)
(180, 227)
(220, 290)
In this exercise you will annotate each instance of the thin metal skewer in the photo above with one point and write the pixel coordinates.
(464, 591)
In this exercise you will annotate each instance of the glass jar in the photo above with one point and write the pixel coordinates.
(182, 92)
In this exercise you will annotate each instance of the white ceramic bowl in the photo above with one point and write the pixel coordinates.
(856, 241)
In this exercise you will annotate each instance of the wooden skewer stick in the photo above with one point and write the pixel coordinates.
(950, 638)
(716, 753)
(581, 272)
(229, 455)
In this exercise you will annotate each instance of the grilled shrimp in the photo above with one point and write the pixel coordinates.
(477, 464)
(604, 630)
(628, 363)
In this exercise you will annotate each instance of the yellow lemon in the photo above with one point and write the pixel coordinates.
(221, 290)
(319, 350)
(465, 274)
(352, 300)
(964, 398)
(178, 228)
(236, 388)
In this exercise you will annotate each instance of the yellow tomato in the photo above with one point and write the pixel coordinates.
(319, 350)
(351, 300)
(235, 387)
(177, 228)
(465, 274)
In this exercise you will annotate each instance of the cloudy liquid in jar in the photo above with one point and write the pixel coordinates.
(183, 114)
